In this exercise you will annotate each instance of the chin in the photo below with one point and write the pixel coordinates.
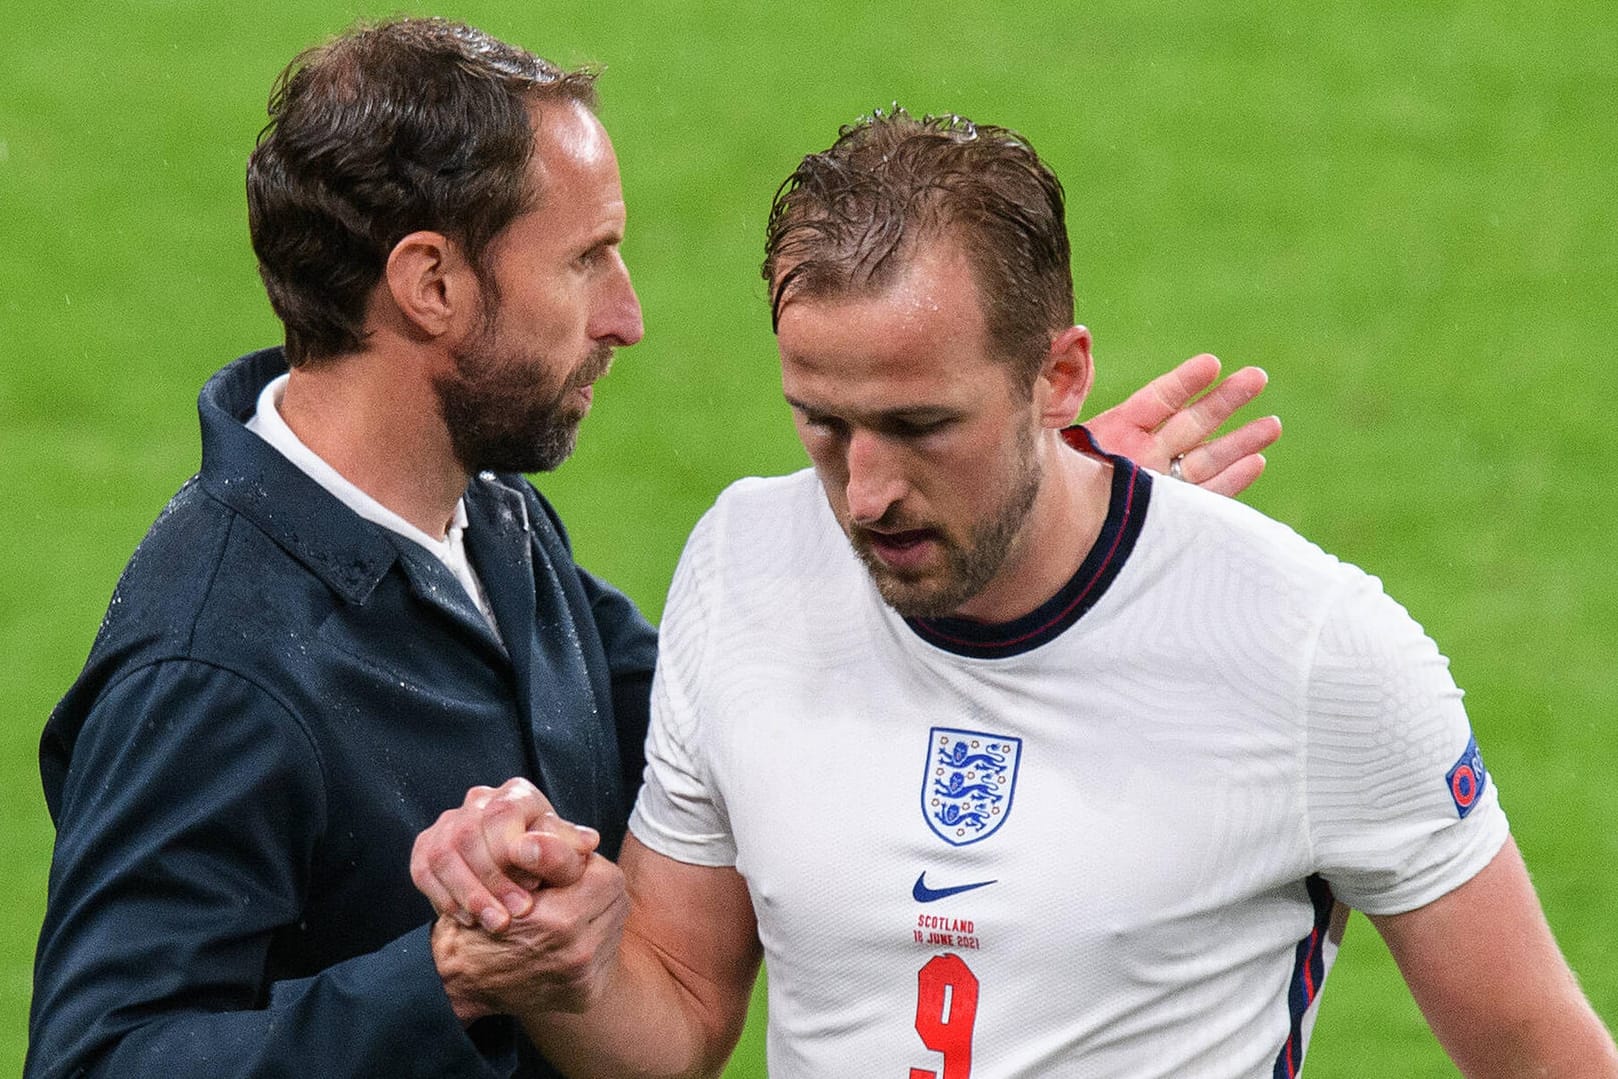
(914, 600)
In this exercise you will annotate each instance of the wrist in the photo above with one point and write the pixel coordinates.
(455, 973)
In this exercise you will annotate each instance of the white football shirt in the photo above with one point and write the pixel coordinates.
(1109, 839)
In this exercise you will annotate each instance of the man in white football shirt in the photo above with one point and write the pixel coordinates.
(1010, 758)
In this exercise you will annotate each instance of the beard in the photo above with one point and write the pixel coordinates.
(500, 412)
(968, 565)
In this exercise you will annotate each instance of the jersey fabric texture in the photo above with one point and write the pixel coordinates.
(1112, 838)
(281, 697)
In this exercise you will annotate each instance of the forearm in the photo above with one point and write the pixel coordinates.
(1577, 1047)
(1559, 1038)
(378, 1014)
(643, 1015)
(172, 884)
(1513, 1007)
(653, 1020)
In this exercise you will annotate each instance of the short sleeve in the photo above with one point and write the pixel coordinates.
(679, 813)
(1401, 809)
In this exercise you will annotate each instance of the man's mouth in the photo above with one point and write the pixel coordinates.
(594, 367)
(582, 385)
(903, 549)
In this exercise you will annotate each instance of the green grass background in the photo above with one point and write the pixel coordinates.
(1406, 211)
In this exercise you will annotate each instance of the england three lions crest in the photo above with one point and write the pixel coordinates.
(968, 783)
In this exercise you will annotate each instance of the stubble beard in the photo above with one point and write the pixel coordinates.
(499, 419)
(968, 567)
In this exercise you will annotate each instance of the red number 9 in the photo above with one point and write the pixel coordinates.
(946, 1007)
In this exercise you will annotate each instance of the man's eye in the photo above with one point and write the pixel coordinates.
(827, 425)
(918, 428)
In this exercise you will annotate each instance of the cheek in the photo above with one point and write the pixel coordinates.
(964, 479)
(548, 314)
(825, 451)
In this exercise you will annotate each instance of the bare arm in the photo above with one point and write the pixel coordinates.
(1167, 418)
(669, 1000)
(1487, 974)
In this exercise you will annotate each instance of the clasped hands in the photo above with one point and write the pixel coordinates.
(529, 915)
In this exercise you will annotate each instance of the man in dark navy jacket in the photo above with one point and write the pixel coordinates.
(359, 608)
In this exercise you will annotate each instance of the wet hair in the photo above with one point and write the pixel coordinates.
(848, 221)
(387, 129)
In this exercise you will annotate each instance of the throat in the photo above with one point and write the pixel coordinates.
(355, 427)
(1058, 534)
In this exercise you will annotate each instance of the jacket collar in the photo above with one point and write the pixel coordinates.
(248, 475)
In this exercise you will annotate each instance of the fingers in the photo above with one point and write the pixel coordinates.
(1163, 397)
(1230, 463)
(1187, 428)
(480, 862)
(1200, 462)
(557, 957)
(453, 866)
(521, 832)
(1235, 479)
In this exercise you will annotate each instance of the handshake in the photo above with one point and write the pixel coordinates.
(529, 915)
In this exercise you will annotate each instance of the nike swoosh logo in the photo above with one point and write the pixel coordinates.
(924, 894)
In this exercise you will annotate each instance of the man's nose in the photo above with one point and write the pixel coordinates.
(617, 319)
(875, 479)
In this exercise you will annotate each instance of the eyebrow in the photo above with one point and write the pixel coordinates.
(916, 414)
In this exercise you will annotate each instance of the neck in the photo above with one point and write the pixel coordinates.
(375, 419)
(1065, 521)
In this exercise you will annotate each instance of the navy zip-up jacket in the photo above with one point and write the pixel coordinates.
(281, 697)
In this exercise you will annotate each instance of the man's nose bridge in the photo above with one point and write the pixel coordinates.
(872, 475)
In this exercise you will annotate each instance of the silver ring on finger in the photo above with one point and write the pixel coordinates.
(1176, 472)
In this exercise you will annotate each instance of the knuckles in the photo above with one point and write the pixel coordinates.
(441, 860)
(445, 861)
(518, 789)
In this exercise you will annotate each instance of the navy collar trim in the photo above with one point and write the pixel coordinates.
(1126, 514)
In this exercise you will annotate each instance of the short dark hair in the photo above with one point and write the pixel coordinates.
(848, 220)
(386, 129)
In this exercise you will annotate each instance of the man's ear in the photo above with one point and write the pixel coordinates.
(431, 284)
(1066, 378)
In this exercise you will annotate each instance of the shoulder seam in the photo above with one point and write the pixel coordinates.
(213, 573)
(286, 709)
